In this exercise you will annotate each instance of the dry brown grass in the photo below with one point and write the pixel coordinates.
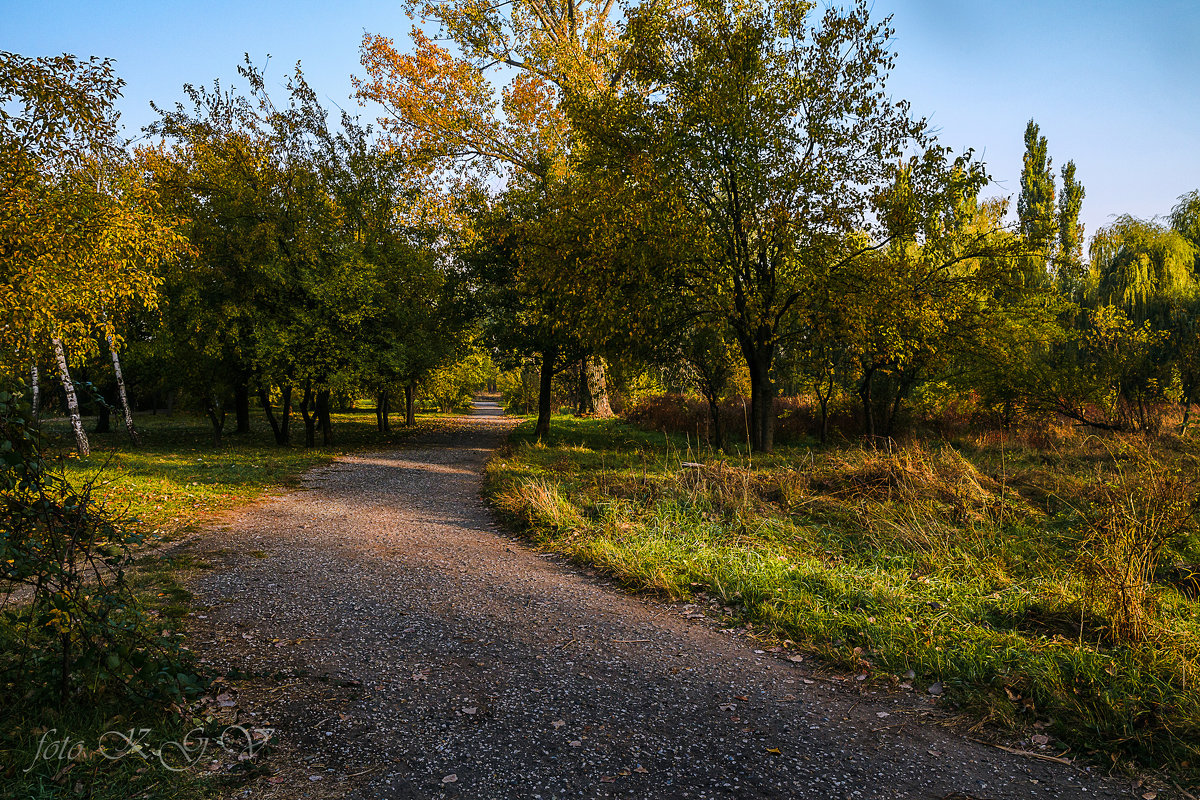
(1134, 516)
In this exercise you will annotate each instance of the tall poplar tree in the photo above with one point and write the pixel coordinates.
(1069, 270)
(1035, 205)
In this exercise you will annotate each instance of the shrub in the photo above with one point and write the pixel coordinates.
(71, 622)
(1133, 518)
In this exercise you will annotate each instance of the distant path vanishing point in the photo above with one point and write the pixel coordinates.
(403, 647)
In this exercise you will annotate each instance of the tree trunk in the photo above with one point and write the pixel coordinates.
(868, 403)
(387, 412)
(583, 397)
(1183, 426)
(545, 389)
(103, 418)
(596, 387)
(310, 417)
(216, 415)
(122, 396)
(762, 398)
(717, 438)
(280, 426)
(323, 410)
(81, 440)
(241, 406)
(35, 391)
(410, 405)
(823, 399)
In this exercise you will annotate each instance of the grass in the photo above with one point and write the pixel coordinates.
(170, 486)
(84, 749)
(972, 564)
(178, 478)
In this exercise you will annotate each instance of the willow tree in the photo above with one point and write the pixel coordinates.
(490, 105)
(1141, 267)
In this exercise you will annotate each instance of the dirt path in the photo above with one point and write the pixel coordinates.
(403, 648)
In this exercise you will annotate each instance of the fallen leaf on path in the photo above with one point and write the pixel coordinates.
(575, 743)
(936, 689)
(607, 779)
(795, 659)
(558, 723)
(742, 697)
(451, 778)
(470, 709)
(882, 714)
(774, 751)
(1040, 738)
(640, 769)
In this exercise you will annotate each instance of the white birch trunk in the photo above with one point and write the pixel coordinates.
(34, 390)
(133, 434)
(81, 440)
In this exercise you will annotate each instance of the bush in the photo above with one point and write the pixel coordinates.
(71, 623)
(1133, 519)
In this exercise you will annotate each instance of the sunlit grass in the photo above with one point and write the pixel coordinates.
(178, 478)
(961, 563)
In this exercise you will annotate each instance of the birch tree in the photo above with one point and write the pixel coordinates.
(81, 234)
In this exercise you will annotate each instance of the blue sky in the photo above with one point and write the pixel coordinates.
(1112, 84)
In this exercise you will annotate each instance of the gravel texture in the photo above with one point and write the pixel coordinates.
(403, 647)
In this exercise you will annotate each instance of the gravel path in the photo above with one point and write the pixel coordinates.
(402, 647)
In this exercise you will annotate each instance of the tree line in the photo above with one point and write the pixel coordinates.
(733, 188)
(725, 191)
(256, 251)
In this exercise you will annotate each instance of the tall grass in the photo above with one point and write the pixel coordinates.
(993, 571)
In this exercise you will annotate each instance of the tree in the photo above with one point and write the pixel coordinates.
(312, 276)
(1185, 218)
(1141, 267)
(1069, 267)
(81, 235)
(1035, 205)
(511, 258)
(771, 139)
(445, 113)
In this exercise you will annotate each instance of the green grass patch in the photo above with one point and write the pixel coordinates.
(178, 478)
(978, 564)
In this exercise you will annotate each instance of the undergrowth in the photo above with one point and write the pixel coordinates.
(1050, 586)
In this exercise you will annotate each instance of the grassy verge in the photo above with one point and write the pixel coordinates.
(987, 569)
(179, 478)
(175, 482)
